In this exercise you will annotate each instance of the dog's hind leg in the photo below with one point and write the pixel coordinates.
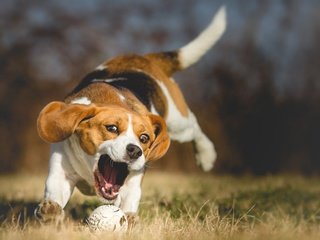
(205, 151)
(186, 129)
(183, 126)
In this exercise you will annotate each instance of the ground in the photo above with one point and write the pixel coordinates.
(179, 206)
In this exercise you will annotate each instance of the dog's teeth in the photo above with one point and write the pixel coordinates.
(107, 190)
(111, 163)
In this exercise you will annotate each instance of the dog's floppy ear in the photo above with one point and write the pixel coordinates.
(161, 143)
(58, 120)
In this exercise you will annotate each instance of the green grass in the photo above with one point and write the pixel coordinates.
(178, 206)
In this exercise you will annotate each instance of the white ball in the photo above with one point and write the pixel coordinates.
(108, 218)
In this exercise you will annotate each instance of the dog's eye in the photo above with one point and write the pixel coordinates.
(112, 128)
(144, 138)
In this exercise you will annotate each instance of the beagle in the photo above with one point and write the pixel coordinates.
(121, 116)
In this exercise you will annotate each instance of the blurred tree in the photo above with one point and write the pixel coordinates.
(255, 95)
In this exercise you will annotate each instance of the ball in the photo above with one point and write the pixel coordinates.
(108, 218)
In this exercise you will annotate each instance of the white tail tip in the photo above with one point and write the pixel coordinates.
(193, 51)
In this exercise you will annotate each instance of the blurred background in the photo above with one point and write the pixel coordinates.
(256, 93)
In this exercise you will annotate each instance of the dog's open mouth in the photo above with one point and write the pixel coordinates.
(109, 177)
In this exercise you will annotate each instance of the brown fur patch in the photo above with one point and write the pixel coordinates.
(141, 73)
(105, 94)
(161, 144)
(93, 132)
(149, 65)
(167, 61)
(177, 97)
(144, 88)
(87, 80)
(59, 120)
(98, 93)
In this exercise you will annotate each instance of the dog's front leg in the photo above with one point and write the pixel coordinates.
(59, 186)
(129, 196)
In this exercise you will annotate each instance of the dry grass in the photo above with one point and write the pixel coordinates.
(179, 206)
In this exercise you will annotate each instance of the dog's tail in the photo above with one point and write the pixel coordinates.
(182, 58)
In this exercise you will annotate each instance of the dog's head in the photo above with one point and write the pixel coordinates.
(120, 140)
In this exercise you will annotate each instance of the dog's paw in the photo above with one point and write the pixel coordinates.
(49, 211)
(133, 219)
(206, 154)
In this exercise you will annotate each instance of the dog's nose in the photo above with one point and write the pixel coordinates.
(134, 151)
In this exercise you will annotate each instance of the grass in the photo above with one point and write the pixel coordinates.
(179, 206)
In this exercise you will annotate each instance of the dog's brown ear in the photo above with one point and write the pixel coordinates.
(58, 120)
(160, 145)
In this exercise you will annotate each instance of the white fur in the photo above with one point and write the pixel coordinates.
(82, 100)
(193, 51)
(82, 163)
(109, 80)
(130, 193)
(122, 98)
(62, 178)
(101, 67)
(153, 109)
(185, 129)
(206, 154)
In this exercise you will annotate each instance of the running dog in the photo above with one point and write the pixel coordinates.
(121, 116)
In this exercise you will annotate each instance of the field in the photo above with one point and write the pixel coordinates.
(179, 206)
